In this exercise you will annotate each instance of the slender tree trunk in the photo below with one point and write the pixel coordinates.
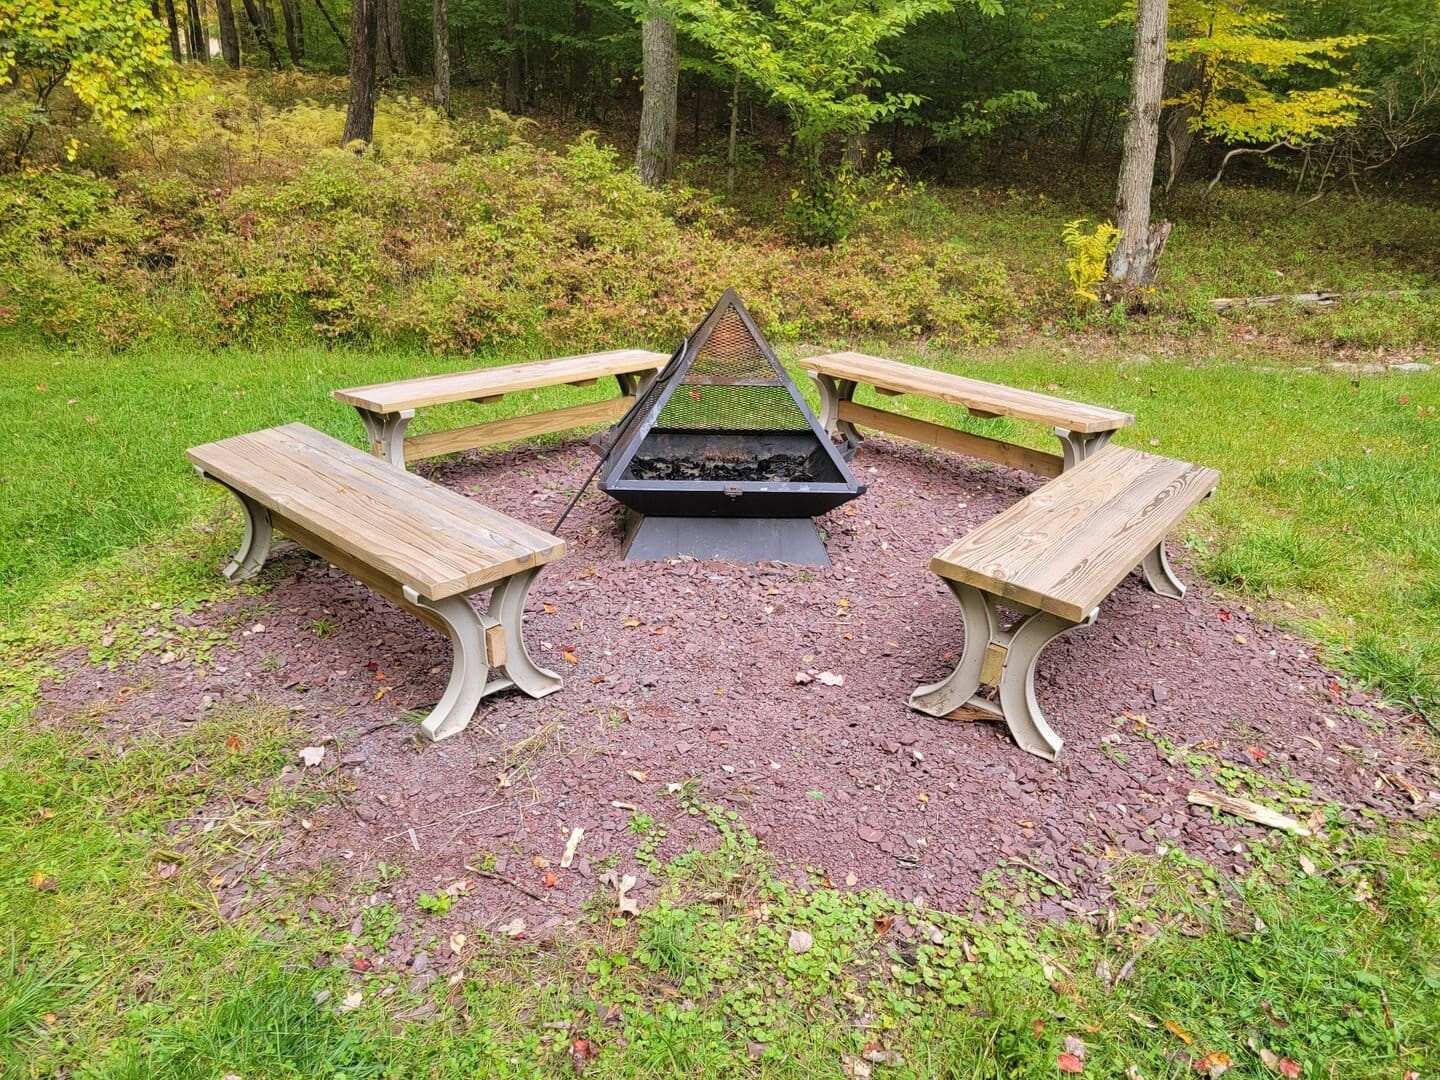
(382, 39)
(330, 21)
(294, 41)
(360, 113)
(229, 35)
(257, 24)
(195, 32)
(395, 33)
(655, 155)
(1134, 260)
(514, 62)
(173, 24)
(440, 21)
(581, 19)
(734, 134)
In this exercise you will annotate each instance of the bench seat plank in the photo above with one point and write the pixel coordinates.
(436, 541)
(983, 397)
(394, 397)
(1065, 547)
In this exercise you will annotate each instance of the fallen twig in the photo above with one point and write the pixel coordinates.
(1261, 815)
(506, 881)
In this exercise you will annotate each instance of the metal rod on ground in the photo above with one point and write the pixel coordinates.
(622, 427)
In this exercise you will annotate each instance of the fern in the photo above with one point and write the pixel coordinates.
(1086, 265)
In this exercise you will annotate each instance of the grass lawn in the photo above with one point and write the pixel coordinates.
(110, 966)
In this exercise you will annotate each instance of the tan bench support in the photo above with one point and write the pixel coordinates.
(387, 433)
(1076, 446)
(1004, 660)
(1159, 576)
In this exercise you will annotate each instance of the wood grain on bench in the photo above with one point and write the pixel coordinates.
(434, 540)
(1065, 547)
(491, 383)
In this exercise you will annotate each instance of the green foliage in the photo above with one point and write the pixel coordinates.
(434, 903)
(1088, 253)
(110, 54)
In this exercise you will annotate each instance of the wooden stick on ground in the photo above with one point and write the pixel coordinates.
(1261, 815)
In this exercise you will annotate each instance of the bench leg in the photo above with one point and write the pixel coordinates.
(634, 383)
(470, 667)
(1004, 659)
(1159, 576)
(255, 544)
(1076, 446)
(387, 433)
(832, 392)
(507, 609)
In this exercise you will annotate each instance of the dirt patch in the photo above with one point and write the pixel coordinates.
(685, 673)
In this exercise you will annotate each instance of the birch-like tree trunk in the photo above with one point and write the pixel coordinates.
(655, 155)
(1134, 260)
(440, 20)
(195, 35)
(173, 23)
(360, 113)
(229, 33)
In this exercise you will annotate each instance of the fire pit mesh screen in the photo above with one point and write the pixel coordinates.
(731, 407)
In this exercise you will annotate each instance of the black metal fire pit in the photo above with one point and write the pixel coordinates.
(722, 434)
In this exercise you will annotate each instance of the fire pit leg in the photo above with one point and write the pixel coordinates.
(1004, 659)
(833, 391)
(507, 606)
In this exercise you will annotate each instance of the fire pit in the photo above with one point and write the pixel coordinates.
(721, 458)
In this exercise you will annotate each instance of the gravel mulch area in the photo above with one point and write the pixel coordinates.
(686, 672)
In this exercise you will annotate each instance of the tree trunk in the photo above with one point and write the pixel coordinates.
(360, 113)
(1134, 260)
(294, 35)
(173, 22)
(441, 25)
(325, 14)
(195, 33)
(655, 155)
(262, 35)
(229, 35)
(395, 34)
(514, 69)
(581, 19)
(382, 39)
(734, 135)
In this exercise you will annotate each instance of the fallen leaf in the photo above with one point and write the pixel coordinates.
(45, 813)
(1076, 1046)
(803, 677)
(550, 880)
(549, 609)
(582, 1052)
(854, 1067)
(851, 880)
(1258, 754)
(623, 903)
(514, 928)
(1179, 1032)
(43, 881)
(569, 657)
(1070, 1063)
(631, 623)
(882, 924)
(878, 1055)
(457, 942)
(1307, 865)
(233, 742)
(1214, 1064)
(1037, 1028)
(312, 755)
(638, 775)
(1292, 1068)
(801, 941)
(352, 1000)
(541, 862)
(829, 678)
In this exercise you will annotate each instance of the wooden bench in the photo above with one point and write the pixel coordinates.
(1083, 429)
(386, 408)
(1053, 557)
(425, 548)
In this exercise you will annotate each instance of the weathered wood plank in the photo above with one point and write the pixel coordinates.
(512, 428)
(890, 376)
(1064, 548)
(395, 523)
(961, 442)
(430, 390)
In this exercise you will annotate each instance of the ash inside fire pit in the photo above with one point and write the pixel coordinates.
(778, 468)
